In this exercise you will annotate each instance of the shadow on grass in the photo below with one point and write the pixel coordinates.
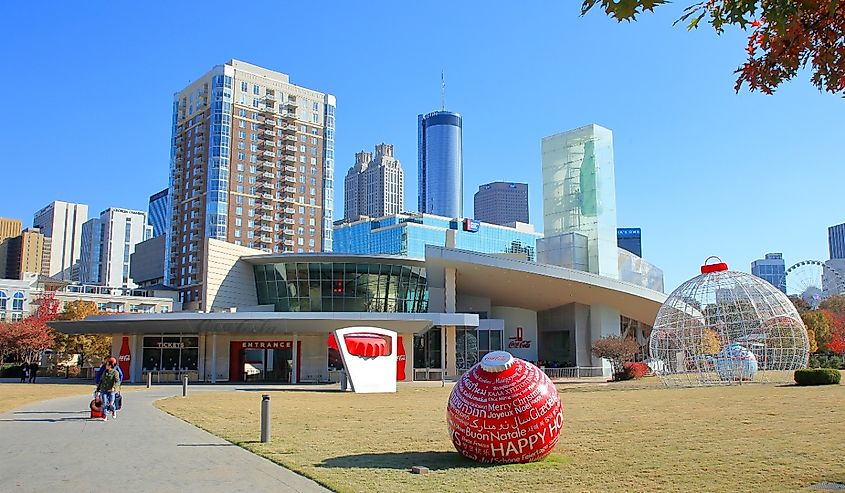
(436, 461)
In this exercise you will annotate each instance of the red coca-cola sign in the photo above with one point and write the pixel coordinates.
(124, 360)
(504, 410)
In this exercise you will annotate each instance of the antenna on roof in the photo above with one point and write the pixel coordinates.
(442, 91)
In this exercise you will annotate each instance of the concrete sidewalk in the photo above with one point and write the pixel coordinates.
(53, 446)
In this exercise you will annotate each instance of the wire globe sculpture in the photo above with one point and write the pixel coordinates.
(813, 281)
(727, 328)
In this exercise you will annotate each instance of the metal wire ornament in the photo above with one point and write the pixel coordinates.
(726, 328)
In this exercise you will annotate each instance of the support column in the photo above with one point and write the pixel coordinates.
(449, 349)
(450, 289)
(604, 321)
(294, 377)
(213, 357)
(135, 364)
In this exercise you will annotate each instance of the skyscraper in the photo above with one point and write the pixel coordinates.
(374, 186)
(252, 163)
(579, 192)
(107, 245)
(772, 269)
(9, 229)
(630, 239)
(25, 254)
(441, 176)
(836, 241)
(157, 213)
(62, 223)
(501, 203)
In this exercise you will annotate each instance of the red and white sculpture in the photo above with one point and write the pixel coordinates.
(504, 410)
(369, 357)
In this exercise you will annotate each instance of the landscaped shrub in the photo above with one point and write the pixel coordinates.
(817, 376)
(827, 360)
(634, 371)
(10, 371)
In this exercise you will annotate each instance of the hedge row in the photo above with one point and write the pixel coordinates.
(817, 376)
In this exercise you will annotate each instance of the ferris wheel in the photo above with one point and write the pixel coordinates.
(813, 281)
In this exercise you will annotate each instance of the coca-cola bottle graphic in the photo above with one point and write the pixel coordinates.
(125, 358)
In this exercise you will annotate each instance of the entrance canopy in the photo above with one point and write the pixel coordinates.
(260, 322)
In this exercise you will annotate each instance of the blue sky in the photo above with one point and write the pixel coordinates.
(701, 169)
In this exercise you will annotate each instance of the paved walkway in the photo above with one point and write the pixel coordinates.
(53, 446)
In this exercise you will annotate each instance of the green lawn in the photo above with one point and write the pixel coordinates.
(14, 395)
(635, 436)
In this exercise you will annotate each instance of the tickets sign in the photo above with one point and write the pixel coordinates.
(510, 414)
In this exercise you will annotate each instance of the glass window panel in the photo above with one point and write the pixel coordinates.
(152, 359)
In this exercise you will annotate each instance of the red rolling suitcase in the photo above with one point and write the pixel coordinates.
(96, 408)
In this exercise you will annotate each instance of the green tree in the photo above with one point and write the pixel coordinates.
(784, 36)
(836, 304)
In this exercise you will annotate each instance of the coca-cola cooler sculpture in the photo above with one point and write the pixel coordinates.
(504, 410)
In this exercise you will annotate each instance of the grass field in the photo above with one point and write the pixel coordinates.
(635, 437)
(14, 395)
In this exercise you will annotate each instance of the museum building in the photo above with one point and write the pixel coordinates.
(269, 317)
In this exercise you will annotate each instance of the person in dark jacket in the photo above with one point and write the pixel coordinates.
(99, 373)
(109, 385)
(33, 372)
(24, 371)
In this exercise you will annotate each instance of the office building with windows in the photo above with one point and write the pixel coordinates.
(630, 239)
(374, 185)
(158, 211)
(26, 253)
(252, 163)
(441, 169)
(108, 243)
(501, 203)
(408, 234)
(62, 223)
(9, 228)
(836, 241)
(772, 268)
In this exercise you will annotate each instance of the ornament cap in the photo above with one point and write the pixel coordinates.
(497, 361)
(717, 267)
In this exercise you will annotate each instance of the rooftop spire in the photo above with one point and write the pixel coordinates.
(442, 91)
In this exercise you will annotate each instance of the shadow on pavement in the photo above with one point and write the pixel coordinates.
(50, 412)
(49, 420)
(436, 461)
(206, 445)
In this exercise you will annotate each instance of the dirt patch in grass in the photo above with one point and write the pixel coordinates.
(632, 437)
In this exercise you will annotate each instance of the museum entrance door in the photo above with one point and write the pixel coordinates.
(266, 362)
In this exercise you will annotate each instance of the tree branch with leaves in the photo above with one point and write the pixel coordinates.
(784, 37)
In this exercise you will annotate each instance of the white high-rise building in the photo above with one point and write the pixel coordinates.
(374, 186)
(62, 223)
(108, 243)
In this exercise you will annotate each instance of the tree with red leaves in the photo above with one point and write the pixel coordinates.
(784, 36)
(837, 334)
(27, 338)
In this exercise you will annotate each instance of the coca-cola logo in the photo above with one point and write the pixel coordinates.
(518, 342)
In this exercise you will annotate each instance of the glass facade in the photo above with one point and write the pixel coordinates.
(341, 287)
(407, 235)
(772, 269)
(158, 212)
(579, 192)
(630, 239)
(471, 345)
(328, 174)
(836, 241)
(441, 176)
(218, 165)
(170, 352)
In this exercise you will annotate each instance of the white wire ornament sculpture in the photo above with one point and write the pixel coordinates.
(726, 328)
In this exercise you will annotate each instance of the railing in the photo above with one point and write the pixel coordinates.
(574, 372)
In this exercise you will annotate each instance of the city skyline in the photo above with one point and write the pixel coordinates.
(654, 189)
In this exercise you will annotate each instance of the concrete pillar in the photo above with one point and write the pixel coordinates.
(451, 358)
(294, 378)
(604, 321)
(451, 289)
(213, 357)
(137, 359)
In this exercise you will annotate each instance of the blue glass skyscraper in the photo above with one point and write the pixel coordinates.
(441, 169)
(158, 212)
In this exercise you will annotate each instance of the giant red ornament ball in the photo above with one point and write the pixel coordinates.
(504, 411)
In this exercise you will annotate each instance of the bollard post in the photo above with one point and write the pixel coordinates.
(265, 418)
(185, 386)
(149, 379)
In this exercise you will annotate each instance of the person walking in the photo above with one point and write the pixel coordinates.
(33, 371)
(108, 386)
(24, 372)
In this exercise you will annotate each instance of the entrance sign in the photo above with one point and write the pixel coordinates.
(504, 410)
(369, 357)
